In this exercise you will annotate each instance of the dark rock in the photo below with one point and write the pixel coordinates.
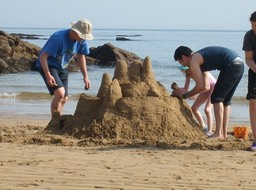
(29, 36)
(92, 61)
(3, 65)
(123, 39)
(16, 55)
(109, 55)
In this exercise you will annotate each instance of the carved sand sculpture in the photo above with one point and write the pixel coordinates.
(130, 108)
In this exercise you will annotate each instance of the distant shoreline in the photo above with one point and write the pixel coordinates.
(130, 29)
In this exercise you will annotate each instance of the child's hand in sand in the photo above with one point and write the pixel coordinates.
(177, 92)
(174, 86)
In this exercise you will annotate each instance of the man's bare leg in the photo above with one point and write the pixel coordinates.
(225, 121)
(252, 106)
(58, 100)
(219, 113)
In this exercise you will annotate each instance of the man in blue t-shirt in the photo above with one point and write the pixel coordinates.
(55, 56)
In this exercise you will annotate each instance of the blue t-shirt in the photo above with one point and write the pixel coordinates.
(61, 49)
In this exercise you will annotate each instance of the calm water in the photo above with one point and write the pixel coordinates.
(26, 94)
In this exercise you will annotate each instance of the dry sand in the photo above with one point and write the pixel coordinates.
(31, 163)
(133, 135)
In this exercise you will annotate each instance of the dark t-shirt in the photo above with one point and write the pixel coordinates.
(250, 43)
(216, 57)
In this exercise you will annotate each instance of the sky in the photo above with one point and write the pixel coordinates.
(129, 14)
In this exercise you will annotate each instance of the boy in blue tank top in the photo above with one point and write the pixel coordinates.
(55, 56)
(231, 69)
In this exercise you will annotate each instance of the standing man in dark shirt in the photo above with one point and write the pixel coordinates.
(249, 47)
(231, 71)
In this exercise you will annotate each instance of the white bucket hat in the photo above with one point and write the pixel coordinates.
(83, 28)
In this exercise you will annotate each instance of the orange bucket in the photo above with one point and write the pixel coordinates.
(241, 132)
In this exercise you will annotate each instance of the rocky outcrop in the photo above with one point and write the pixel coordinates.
(109, 55)
(126, 37)
(15, 54)
(29, 36)
(122, 38)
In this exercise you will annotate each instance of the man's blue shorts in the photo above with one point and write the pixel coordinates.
(61, 78)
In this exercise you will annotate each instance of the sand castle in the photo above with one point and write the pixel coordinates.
(131, 107)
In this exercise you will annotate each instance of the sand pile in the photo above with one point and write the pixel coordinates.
(130, 108)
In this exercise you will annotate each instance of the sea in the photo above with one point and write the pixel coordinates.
(25, 94)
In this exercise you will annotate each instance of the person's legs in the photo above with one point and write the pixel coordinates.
(195, 109)
(223, 92)
(208, 113)
(226, 120)
(252, 109)
(60, 91)
(58, 101)
(251, 96)
(218, 112)
(60, 96)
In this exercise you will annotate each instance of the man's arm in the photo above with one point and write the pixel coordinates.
(187, 83)
(44, 63)
(249, 60)
(201, 82)
(81, 62)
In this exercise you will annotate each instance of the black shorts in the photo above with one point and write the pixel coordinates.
(227, 83)
(61, 78)
(251, 85)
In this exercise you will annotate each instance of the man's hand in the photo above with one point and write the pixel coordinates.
(87, 84)
(177, 93)
(51, 81)
(174, 86)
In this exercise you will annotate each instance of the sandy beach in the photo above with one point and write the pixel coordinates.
(29, 161)
(133, 135)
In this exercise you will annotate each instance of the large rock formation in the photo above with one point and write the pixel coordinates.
(15, 54)
(109, 55)
(130, 108)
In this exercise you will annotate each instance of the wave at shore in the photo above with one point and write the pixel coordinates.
(32, 96)
(45, 96)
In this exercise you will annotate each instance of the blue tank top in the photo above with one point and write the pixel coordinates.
(216, 57)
